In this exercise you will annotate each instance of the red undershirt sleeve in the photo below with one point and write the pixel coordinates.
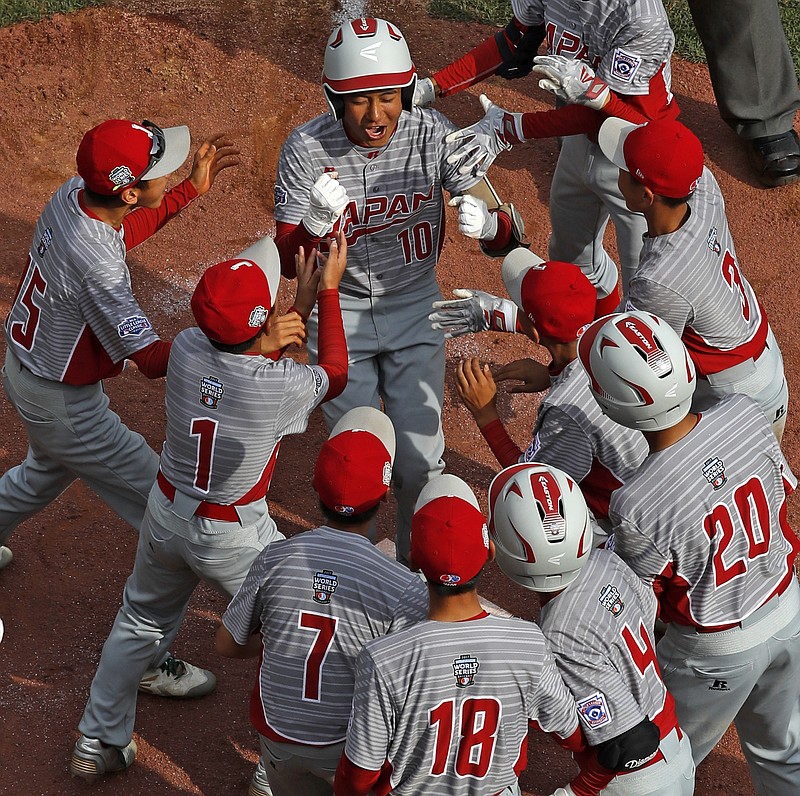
(593, 776)
(503, 236)
(470, 68)
(352, 780)
(566, 120)
(144, 221)
(332, 344)
(152, 360)
(289, 238)
(503, 447)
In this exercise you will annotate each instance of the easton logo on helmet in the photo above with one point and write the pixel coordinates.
(547, 494)
(641, 336)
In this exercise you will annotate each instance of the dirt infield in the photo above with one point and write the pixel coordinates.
(252, 68)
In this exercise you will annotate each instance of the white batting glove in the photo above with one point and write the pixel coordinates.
(424, 93)
(565, 791)
(572, 81)
(473, 311)
(474, 218)
(327, 201)
(482, 142)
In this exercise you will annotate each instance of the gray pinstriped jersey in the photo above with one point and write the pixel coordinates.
(226, 415)
(573, 434)
(625, 41)
(691, 279)
(709, 513)
(395, 219)
(598, 629)
(298, 591)
(76, 276)
(448, 704)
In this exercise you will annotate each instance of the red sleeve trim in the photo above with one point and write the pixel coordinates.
(352, 780)
(140, 224)
(289, 238)
(153, 359)
(332, 343)
(503, 447)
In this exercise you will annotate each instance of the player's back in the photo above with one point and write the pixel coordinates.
(709, 513)
(459, 695)
(600, 629)
(603, 454)
(226, 415)
(324, 594)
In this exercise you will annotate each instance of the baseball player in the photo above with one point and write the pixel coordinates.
(312, 603)
(608, 55)
(378, 167)
(597, 616)
(75, 321)
(555, 300)
(689, 274)
(704, 521)
(443, 707)
(229, 403)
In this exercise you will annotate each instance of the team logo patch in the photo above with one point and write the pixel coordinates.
(325, 584)
(317, 381)
(714, 472)
(133, 326)
(465, 667)
(120, 177)
(258, 317)
(610, 599)
(624, 65)
(712, 242)
(44, 243)
(211, 392)
(280, 195)
(593, 711)
(387, 473)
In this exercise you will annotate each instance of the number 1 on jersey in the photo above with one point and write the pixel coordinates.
(205, 429)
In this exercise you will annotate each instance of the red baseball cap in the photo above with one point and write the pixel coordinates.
(556, 297)
(233, 299)
(118, 153)
(663, 155)
(449, 536)
(354, 466)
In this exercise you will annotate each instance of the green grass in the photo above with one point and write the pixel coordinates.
(498, 12)
(12, 11)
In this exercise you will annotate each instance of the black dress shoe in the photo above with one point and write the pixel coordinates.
(776, 158)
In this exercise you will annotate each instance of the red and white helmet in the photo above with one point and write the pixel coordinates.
(366, 54)
(639, 370)
(540, 526)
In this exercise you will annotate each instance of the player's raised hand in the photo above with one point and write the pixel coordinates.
(424, 93)
(534, 376)
(474, 218)
(212, 156)
(335, 262)
(480, 143)
(284, 330)
(308, 276)
(473, 311)
(326, 202)
(571, 80)
(477, 390)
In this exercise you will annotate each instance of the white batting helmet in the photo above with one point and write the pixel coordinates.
(639, 370)
(366, 54)
(540, 526)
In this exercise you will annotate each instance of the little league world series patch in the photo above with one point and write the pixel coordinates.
(465, 667)
(211, 391)
(325, 584)
(593, 711)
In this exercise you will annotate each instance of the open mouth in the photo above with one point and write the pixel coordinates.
(375, 132)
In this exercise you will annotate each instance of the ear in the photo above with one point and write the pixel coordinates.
(648, 197)
(492, 551)
(130, 196)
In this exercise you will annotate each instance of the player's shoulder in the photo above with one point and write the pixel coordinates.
(316, 129)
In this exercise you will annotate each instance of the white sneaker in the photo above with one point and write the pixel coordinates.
(6, 557)
(178, 679)
(259, 784)
(92, 759)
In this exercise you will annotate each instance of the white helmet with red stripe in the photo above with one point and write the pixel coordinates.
(540, 526)
(366, 54)
(639, 369)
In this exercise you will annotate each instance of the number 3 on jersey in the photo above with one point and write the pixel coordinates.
(479, 720)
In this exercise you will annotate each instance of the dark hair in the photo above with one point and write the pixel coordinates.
(111, 201)
(349, 519)
(443, 590)
(238, 348)
(671, 201)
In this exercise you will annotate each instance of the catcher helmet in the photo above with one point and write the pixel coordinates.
(639, 370)
(540, 526)
(366, 54)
